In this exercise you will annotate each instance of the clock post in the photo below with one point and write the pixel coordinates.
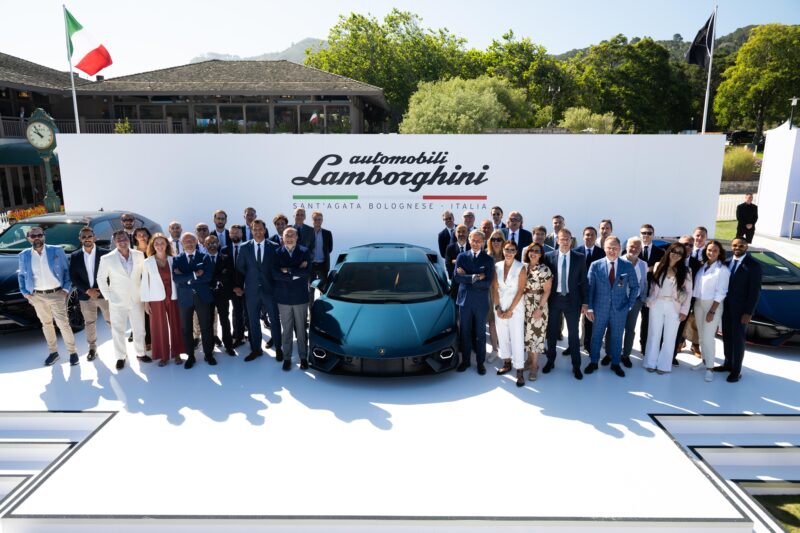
(41, 133)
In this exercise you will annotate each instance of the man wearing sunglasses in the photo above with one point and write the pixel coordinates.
(44, 281)
(651, 254)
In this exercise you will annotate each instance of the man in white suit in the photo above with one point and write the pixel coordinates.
(119, 278)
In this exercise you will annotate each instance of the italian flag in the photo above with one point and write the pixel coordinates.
(84, 51)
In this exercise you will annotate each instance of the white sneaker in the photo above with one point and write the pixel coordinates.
(709, 375)
(491, 357)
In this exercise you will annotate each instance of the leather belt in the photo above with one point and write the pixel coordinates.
(48, 291)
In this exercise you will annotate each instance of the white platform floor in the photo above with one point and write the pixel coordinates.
(247, 440)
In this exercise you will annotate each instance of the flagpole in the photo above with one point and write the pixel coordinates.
(71, 73)
(710, 63)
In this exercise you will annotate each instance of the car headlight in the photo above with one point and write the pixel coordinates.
(441, 335)
(325, 335)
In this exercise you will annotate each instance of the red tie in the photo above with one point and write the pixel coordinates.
(611, 274)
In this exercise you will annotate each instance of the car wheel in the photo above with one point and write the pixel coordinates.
(74, 312)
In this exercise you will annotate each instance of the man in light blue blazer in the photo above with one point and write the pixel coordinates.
(44, 281)
(613, 290)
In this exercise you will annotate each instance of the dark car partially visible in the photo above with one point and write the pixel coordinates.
(60, 229)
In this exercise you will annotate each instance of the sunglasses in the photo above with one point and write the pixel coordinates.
(676, 252)
(646, 232)
(535, 251)
(127, 220)
(36, 235)
(496, 239)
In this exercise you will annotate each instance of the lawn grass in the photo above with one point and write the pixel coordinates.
(784, 508)
(725, 230)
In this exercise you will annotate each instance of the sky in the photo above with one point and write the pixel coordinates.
(147, 34)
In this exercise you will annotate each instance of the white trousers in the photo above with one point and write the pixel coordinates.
(707, 330)
(511, 337)
(664, 323)
(120, 315)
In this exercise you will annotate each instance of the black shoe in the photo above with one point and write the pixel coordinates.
(217, 342)
(591, 367)
(675, 361)
(210, 360)
(144, 358)
(278, 354)
(287, 364)
(567, 351)
(618, 371)
(561, 336)
(303, 364)
(52, 358)
(130, 337)
(230, 352)
(626, 362)
(270, 343)
(92, 355)
(196, 343)
(73, 359)
(577, 373)
(238, 342)
(547, 368)
(721, 368)
(733, 379)
(189, 362)
(481, 369)
(267, 325)
(462, 367)
(606, 360)
(253, 356)
(120, 364)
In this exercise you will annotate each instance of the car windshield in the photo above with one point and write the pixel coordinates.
(384, 283)
(65, 234)
(775, 270)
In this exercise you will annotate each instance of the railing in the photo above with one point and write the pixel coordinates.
(794, 220)
(726, 207)
(15, 127)
(3, 221)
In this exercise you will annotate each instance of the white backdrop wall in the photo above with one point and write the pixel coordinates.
(670, 181)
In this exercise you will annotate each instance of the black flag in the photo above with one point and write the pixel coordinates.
(699, 52)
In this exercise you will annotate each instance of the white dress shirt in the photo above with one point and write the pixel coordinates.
(513, 236)
(127, 264)
(88, 260)
(711, 283)
(43, 277)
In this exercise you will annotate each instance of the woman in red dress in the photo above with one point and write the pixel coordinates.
(160, 296)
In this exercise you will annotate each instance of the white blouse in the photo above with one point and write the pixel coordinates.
(712, 283)
(507, 288)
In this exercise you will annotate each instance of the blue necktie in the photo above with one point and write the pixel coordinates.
(563, 284)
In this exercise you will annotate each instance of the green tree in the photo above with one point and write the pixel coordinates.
(581, 119)
(756, 88)
(395, 54)
(465, 106)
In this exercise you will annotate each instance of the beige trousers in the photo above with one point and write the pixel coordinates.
(51, 307)
(89, 310)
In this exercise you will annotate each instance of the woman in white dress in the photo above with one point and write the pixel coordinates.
(508, 287)
(669, 300)
(710, 289)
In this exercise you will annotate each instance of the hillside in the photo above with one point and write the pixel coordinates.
(295, 53)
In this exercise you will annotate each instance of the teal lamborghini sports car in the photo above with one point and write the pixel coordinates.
(385, 309)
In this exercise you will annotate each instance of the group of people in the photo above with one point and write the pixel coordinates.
(525, 284)
(176, 290)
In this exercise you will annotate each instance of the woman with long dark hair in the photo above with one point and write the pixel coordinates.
(669, 301)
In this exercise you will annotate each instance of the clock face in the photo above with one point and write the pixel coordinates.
(40, 135)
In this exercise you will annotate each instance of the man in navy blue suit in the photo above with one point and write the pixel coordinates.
(192, 272)
(497, 220)
(592, 253)
(474, 273)
(521, 237)
(290, 271)
(740, 303)
(567, 299)
(255, 266)
(613, 290)
(448, 234)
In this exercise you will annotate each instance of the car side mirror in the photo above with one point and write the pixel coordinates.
(316, 283)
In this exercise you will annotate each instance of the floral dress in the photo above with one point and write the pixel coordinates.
(536, 329)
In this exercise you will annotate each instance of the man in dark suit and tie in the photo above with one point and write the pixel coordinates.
(539, 234)
(613, 290)
(651, 254)
(305, 233)
(552, 239)
(497, 220)
(83, 264)
(281, 222)
(221, 288)
(290, 271)
(592, 253)
(255, 266)
(175, 231)
(521, 237)
(567, 298)
(746, 218)
(451, 254)
(249, 216)
(448, 234)
(222, 234)
(323, 247)
(740, 303)
(474, 273)
(192, 272)
(237, 298)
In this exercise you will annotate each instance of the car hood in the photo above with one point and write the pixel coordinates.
(9, 263)
(779, 303)
(389, 325)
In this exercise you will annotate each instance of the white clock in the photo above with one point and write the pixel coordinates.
(40, 135)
